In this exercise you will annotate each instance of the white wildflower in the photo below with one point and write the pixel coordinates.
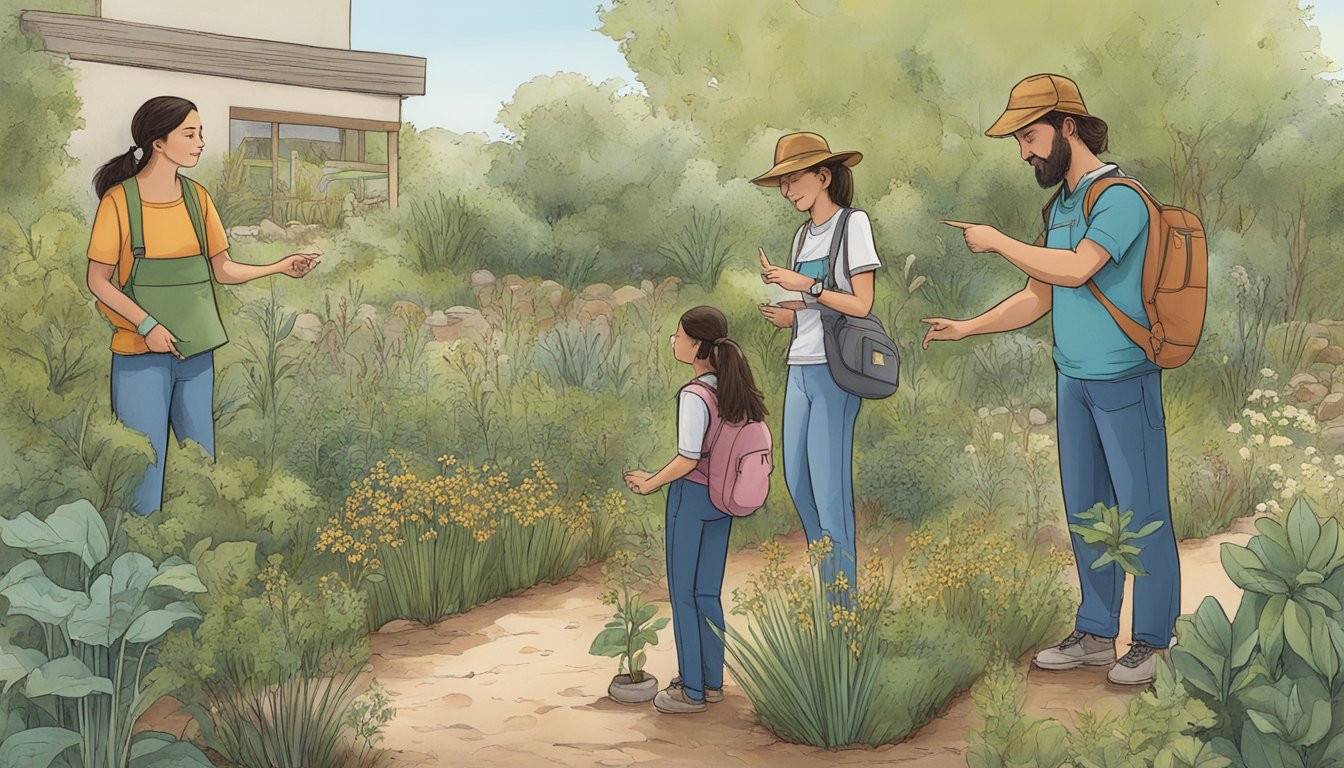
(969, 449)
(1279, 441)
(1269, 373)
(1245, 453)
(997, 436)
(1234, 428)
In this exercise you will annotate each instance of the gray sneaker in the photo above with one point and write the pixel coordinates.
(1135, 667)
(712, 695)
(1078, 649)
(673, 700)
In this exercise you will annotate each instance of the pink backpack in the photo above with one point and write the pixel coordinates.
(736, 460)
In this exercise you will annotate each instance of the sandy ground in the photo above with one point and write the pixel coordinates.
(511, 683)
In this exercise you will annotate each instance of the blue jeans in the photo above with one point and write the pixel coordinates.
(1113, 451)
(819, 421)
(697, 550)
(153, 391)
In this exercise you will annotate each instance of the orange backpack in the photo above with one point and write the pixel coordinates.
(1175, 276)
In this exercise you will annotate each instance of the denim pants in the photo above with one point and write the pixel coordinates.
(819, 421)
(697, 551)
(1113, 451)
(154, 391)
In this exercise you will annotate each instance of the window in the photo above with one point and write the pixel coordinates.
(309, 168)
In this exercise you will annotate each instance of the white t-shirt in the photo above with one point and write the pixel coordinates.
(809, 348)
(693, 420)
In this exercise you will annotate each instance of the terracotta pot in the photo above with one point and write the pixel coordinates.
(626, 692)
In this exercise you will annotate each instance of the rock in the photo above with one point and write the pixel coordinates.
(1036, 417)
(366, 313)
(308, 327)
(1338, 386)
(436, 319)
(399, 625)
(552, 292)
(1300, 379)
(601, 325)
(1314, 346)
(1323, 372)
(627, 295)
(509, 281)
(593, 309)
(482, 278)
(1331, 355)
(238, 233)
(453, 323)
(647, 286)
(1331, 408)
(1310, 393)
(596, 291)
(670, 284)
(1335, 330)
(1334, 434)
(1317, 331)
(269, 230)
(411, 313)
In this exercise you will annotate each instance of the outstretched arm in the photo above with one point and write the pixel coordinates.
(1017, 311)
(229, 272)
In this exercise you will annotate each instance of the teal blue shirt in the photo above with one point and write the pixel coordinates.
(1088, 342)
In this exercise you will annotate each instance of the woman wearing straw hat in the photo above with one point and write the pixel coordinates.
(819, 416)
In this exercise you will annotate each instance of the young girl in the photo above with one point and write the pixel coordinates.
(157, 245)
(697, 533)
(819, 416)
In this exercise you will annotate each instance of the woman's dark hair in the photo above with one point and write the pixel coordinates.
(842, 183)
(154, 120)
(1091, 130)
(739, 399)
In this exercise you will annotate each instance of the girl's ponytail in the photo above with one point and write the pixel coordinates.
(739, 399)
(117, 170)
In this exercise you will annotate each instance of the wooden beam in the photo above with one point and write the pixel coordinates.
(90, 38)
(303, 118)
(393, 162)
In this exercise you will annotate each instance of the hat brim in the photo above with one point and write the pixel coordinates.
(802, 162)
(1014, 120)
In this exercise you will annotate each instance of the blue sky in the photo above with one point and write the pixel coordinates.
(479, 52)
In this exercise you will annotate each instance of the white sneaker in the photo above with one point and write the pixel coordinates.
(1078, 649)
(673, 700)
(1136, 667)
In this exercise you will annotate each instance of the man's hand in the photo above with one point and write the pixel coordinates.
(638, 481)
(980, 238)
(943, 329)
(784, 278)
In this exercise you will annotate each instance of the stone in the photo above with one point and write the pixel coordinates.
(1335, 330)
(1317, 330)
(482, 278)
(410, 312)
(1310, 393)
(1331, 408)
(593, 309)
(647, 286)
(308, 327)
(510, 281)
(366, 313)
(1331, 355)
(399, 625)
(269, 230)
(670, 284)
(1300, 379)
(596, 291)
(1036, 417)
(239, 233)
(1314, 346)
(1337, 387)
(1334, 434)
(627, 295)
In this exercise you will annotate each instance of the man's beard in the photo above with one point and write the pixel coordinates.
(1051, 170)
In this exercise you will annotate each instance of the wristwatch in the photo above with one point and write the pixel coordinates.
(816, 288)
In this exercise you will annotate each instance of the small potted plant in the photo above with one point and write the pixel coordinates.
(632, 627)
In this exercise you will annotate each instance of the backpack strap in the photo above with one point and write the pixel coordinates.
(837, 239)
(1137, 333)
(711, 397)
(798, 253)
(191, 198)
(134, 217)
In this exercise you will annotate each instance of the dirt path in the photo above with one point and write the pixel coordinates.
(511, 684)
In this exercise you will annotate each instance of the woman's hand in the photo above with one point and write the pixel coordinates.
(784, 278)
(159, 339)
(299, 264)
(640, 482)
(780, 317)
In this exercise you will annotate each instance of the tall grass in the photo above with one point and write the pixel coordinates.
(570, 356)
(444, 233)
(699, 252)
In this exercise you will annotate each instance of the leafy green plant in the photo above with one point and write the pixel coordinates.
(1110, 528)
(633, 627)
(700, 250)
(1010, 739)
(88, 678)
(571, 356)
(1272, 673)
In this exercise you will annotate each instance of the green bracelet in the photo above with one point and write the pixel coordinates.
(146, 325)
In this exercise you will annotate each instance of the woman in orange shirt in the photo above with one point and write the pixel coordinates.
(157, 249)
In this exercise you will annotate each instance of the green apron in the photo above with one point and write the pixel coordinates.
(178, 292)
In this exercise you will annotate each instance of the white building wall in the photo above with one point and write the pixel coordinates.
(113, 93)
(323, 23)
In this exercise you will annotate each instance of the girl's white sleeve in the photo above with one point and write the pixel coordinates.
(692, 424)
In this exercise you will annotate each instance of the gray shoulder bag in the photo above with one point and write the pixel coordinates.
(863, 359)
